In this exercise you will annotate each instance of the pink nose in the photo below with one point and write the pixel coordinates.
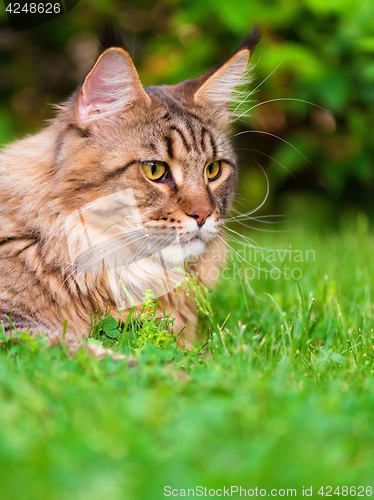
(200, 216)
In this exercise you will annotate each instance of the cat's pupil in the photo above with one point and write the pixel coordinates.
(154, 167)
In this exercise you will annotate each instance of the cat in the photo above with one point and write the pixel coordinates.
(121, 166)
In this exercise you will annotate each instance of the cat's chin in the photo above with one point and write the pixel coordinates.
(193, 248)
(181, 252)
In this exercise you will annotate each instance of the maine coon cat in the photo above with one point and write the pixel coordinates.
(125, 177)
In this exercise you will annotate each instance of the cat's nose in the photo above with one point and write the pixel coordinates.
(200, 216)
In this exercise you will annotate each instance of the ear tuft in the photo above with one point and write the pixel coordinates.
(110, 38)
(217, 86)
(217, 90)
(250, 41)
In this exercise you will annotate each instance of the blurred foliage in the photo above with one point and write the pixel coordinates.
(319, 51)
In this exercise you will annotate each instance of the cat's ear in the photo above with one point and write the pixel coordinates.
(112, 85)
(219, 84)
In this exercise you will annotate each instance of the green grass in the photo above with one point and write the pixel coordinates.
(287, 401)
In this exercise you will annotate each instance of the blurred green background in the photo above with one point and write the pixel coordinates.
(320, 51)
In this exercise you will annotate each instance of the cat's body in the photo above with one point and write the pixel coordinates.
(113, 137)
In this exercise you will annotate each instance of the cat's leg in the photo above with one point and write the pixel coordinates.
(184, 312)
(207, 267)
(13, 322)
(186, 323)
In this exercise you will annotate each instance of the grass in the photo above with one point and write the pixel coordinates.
(287, 401)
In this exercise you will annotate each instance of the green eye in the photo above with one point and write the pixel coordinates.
(213, 170)
(154, 170)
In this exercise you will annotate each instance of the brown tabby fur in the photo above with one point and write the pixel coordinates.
(83, 155)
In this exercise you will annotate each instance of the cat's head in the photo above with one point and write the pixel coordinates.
(169, 144)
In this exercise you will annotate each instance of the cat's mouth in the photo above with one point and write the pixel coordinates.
(199, 236)
(184, 248)
(187, 241)
(178, 246)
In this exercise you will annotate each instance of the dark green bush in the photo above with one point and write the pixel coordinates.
(320, 51)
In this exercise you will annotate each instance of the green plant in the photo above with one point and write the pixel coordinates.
(285, 402)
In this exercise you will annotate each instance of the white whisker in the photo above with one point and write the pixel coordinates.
(264, 80)
(271, 158)
(283, 99)
(276, 137)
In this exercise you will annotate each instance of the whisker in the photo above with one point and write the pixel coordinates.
(261, 229)
(271, 158)
(252, 265)
(276, 137)
(264, 80)
(237, 254)
(283, 99)
(259, 218)
(233, 251)
(267, 191)
(252, 242)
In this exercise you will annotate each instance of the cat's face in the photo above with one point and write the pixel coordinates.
(168, 144)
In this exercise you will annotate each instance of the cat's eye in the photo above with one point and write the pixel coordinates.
(154, 170)
(213, 170)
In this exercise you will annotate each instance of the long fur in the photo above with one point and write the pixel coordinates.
(83, 228)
